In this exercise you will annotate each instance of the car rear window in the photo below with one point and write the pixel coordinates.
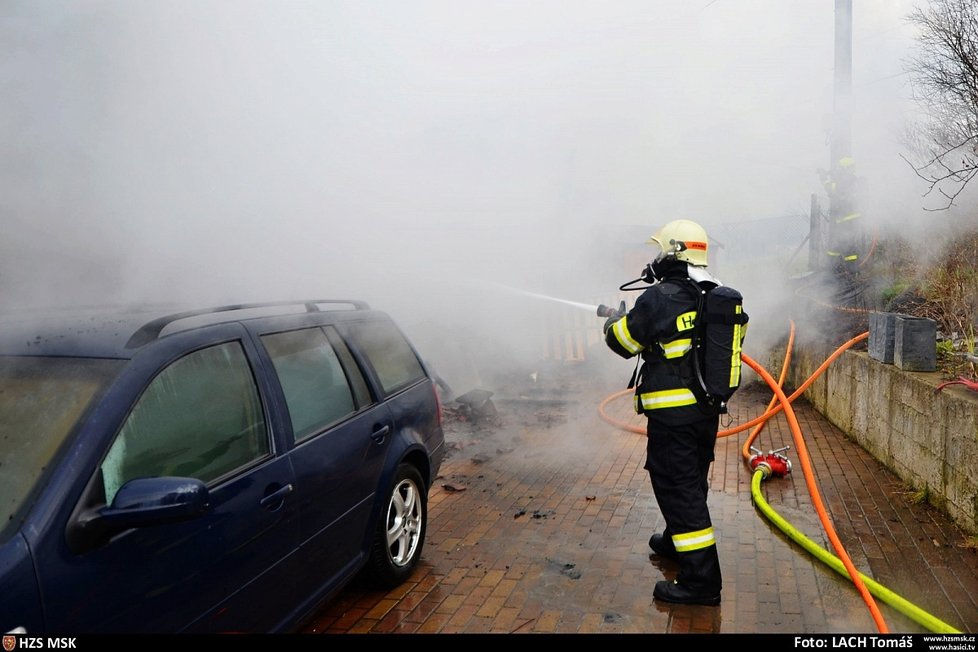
(41, 401)
(389, 353)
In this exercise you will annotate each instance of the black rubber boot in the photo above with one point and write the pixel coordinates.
(674, 592)
(662, 546)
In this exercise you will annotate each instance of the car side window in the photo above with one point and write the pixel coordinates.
(389, 354)
(316, 389)
(200, 417)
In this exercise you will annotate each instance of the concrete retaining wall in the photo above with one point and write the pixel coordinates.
(929, 439)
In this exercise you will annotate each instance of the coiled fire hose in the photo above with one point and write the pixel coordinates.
(842, 564)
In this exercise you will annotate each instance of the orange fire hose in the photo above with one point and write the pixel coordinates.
(816, 497)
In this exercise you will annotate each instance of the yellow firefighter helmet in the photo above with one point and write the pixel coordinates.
(684, 239)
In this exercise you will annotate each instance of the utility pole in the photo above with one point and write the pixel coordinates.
(839, 187)
(845, 244)
(841, 144)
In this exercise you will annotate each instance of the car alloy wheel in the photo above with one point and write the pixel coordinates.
(404, 518)
(399, 535)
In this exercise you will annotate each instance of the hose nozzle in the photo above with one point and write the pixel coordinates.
(608, 311)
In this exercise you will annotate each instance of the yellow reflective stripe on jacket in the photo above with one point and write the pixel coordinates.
(625, 338)
(849, 257)
(694, 540)
(667, 398)
(846, 218)
(735, 356)
(676, 348)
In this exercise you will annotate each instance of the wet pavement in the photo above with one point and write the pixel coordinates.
(540, 519)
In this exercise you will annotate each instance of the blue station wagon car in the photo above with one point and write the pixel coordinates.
(218, 470)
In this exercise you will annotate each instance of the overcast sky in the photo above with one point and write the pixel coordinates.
(242, 150)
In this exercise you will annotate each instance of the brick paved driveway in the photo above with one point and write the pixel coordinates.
(540, 521)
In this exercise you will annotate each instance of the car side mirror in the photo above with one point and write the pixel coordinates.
(155, 501)
(141, 502)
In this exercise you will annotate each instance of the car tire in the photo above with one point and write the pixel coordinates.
(400, 532)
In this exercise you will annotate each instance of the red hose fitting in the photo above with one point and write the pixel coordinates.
(773, 463)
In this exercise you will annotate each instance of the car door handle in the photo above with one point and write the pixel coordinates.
(380, 433)
(274, 500)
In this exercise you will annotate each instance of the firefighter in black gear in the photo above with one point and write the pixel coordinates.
(682, 428)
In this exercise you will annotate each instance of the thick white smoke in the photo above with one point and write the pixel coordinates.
(410, 153)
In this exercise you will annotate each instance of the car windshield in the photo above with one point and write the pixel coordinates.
(41, 400)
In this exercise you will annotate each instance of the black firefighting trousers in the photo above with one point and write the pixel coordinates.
(678, 460)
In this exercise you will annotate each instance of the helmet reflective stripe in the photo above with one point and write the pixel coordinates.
(667, 398)
(624, 337)
(694, 540)
(676, 348)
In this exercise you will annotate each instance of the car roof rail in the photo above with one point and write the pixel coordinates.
(151, 330)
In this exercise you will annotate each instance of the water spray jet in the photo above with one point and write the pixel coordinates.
(536, 295)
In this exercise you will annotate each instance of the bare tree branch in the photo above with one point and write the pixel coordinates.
(945, 76)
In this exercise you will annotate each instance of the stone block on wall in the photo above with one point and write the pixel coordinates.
(915, 343)
(882, 331)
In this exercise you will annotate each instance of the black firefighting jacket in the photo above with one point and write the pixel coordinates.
(660, 328)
